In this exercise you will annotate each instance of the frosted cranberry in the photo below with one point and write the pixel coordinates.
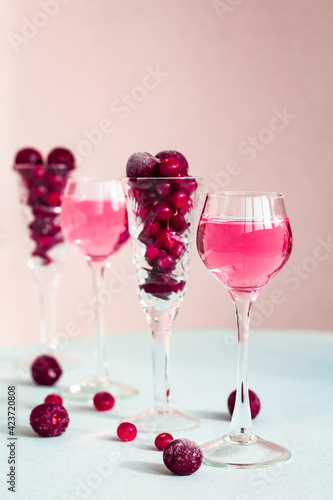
(162, 440)
(39, 191)
(45, 370)
(53, 398)
(254, 403)
(166, 239)
(53, 199)
(183, 165)
(178, 223)
(103, 401)
(142, 164)
(152, 252)
(49, 419)
(163, 212)
(29, 155)
(182, 457)
(163, 188)
(169, 167)
(165, 261)
(177, 250)
(181, 201)
(150, 229)
(61, 156)
(55, 182)
(148, 199)
(126, 431)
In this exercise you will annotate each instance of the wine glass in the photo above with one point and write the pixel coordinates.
(41, 187)
(94, 220)
(244, 239)
(161, 215)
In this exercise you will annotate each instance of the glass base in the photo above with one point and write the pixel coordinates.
(167, 419)
(66, 362)
(251, 453)
(87, 389)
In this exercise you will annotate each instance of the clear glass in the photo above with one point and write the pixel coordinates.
(40, 193)
(161, 220)
(244, 239)
(94, 220)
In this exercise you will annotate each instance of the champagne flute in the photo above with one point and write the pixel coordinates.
(244, 239)
(94, 220)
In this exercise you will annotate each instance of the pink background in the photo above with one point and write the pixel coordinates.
(226, 71)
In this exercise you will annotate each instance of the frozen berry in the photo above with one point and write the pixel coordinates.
(29, 155)
(183, 165)
(53, 398)
(103, 401)
(169, 167)
(163, 188)
(182, 457)
(45, 370)
(126, 431)
(162, 440)
(61, 156)
(49, 419)
(142, 164)
(254, 403)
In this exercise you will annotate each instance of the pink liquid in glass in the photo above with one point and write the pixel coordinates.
(97, 228)
(244, 254)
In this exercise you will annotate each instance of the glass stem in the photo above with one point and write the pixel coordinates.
(101, 362)
(241, 423)
(48, 315)
(161, 322)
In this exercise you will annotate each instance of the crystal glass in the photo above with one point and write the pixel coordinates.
(40, 192)
(161, 215)
(244, 239)
(94, 220)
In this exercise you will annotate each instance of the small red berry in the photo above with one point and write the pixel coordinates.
(254, 403)
(162, 440)
(182, 457)
(45, 370)
(53, 398)
(49, 419)
(127, 431)
(103, 401)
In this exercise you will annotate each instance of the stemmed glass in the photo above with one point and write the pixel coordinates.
(40, 190)
(244, 239)
(161, 214)
(94, 220)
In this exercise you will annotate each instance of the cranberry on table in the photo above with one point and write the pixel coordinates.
(127, 431)
(162, 440)
(29, 155)
(103, 401)
(53, 398)
(182, 457)
(254, 403)
(49, 419)
(45, 370)
(142, 164)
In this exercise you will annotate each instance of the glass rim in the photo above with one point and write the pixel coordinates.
(20, 166)
(249, 194)
(195, 176)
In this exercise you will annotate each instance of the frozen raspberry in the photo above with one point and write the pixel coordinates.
(162, 440)
(126, 431)
(142, 164)
(182, 457)
(49, 419)
(183, 165)
(53, 398)
(29, 155)
(61, 156)
(45, 370)
(254, 403)
(103, 401)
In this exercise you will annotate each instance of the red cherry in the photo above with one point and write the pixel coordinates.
(53, 398)
(127, 431)
(103, 401)
(162, 440)
(170, 167)
(163, 212)
(254, 403)
(181, 201)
